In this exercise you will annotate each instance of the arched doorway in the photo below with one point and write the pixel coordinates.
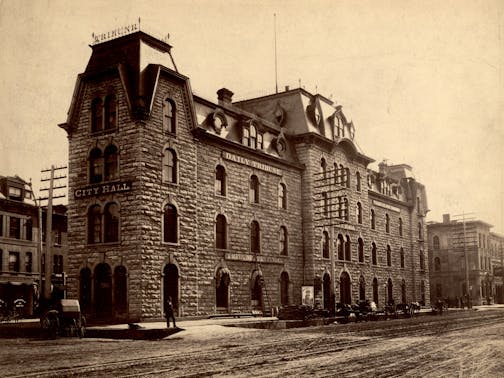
(375, 290)
(222, 281)
(390, 291)
(120, 290)
(284, 289)
(403, 291)
(103, 291)
(256, 294)
(85, 290)
(362, 288)
(170, 285)
(327, 292)
(345, 293)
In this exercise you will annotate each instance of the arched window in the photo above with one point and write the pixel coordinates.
(402, 257)
(373, 220)
(120, 289)
(170, 224)
(111, 217)
(347, 177)
(422, 260)
(389, 256)
(359, 213)
(437, 264)
(170, 166)
(400, 227)
(253, 137)
(96, 115)
(435, 242)
(361, 250)
(254, 189)
(323, 168)
(325, 245)
(420, 233)
(110, 112)
(94, 224)
(95, 166)
(387, 223)
(341, 246)
(221, 232)
(336, 174)
(220, 180)
(342, 174)
(282, 241)
(358, 178)
(169, 116)
(373, 254)
(282, 196)
(348, 250)
(255, 237)
(111, 163)
(245, 136)
(345, 209)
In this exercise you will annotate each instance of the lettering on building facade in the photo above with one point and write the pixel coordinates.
(111, 34)
(251, 163)
(386, 206)
(117, 187)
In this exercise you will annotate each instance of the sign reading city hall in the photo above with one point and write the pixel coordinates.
(116, 187)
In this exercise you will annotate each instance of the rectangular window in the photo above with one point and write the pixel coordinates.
(14, 228)
(14, 261)
(15, 193)
(28, 262)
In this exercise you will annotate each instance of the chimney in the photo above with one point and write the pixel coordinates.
(286, 88)
(446, 218)
(224, 96)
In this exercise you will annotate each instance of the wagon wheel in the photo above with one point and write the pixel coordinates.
(50, 325)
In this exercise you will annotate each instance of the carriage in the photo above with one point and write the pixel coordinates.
(65, 319)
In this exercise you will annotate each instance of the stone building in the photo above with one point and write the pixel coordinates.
(465, 258)
(20, 261)
(226, 206)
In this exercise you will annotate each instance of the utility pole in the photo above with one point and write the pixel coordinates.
(49, 213)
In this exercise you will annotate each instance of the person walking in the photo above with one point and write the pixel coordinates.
(169, 313)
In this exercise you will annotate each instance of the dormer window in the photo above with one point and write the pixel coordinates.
(104, 114)
(169, 119)
(252, 137)
(15, 193)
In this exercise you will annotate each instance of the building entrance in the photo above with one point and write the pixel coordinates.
(103, 291)
(170, 285)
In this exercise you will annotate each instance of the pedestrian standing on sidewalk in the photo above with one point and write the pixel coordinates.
(169, 313)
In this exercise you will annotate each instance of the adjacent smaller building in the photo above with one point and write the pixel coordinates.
(20, 258)
(465, 259)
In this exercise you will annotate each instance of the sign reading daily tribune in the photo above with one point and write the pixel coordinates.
(96, 190)
(251, 163)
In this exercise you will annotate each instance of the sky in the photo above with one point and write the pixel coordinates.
(422, 81)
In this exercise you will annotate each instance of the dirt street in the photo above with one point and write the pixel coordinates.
(456, 344)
